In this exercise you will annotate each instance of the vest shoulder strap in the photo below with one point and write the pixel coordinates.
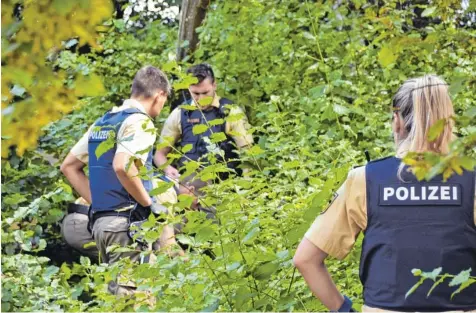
(133, 111)
(380, 160)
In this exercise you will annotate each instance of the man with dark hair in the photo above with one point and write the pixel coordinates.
(179, 125)
(116, 192)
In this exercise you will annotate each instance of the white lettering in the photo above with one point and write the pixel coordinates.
(401, 196)
(388, 192)
(445, 193)
(455, 193)
(412, 194)
(434, 190)
(423, 193)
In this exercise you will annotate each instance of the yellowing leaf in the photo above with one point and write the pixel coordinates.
(90, 86)
(386, 57)
(436, 129)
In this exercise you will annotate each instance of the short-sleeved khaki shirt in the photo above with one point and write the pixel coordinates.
(238, 130)
(137, 128)
(336, 230)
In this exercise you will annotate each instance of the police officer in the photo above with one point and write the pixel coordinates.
(179, 125)
(114, 187)
(74, 229)
(406, 223)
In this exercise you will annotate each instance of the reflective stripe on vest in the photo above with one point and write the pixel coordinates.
(423, 225)
(107, 192)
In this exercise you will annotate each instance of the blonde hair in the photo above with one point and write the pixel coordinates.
(421, 102)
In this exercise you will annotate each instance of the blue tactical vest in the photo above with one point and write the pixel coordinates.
(107, 192)
(422, 225)
(190, 118)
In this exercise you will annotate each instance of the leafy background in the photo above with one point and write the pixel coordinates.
(316, 80)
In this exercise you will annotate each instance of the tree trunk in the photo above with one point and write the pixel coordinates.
(193, 13)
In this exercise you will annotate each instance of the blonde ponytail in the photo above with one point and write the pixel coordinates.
(421, 102)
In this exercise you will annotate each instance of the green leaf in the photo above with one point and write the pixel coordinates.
(218, 137)
(265, 271)
(205, 101)
(467, 163)
(436, 129)
(199, 129)
(463, 286)
(217, 121)
(340, 109)
(161, 188)
(189, 107)
(428, 11)
(106, 145)
(187, 148)
(251, 234)
(88, 86)
(461, 278)
(386, 56)
(433, 274)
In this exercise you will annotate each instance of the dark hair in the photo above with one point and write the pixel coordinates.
(147, 81)
(201, 72)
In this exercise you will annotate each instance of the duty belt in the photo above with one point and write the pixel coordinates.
(78, 208)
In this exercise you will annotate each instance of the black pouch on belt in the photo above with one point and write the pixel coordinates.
(138, 215)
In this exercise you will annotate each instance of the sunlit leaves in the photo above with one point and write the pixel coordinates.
(387, 56)
(28, 46)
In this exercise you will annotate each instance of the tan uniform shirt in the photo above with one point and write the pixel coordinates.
(335, 230)
(137, 128)
(172, 130)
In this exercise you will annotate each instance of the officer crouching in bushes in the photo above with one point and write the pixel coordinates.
(74, 228)
(115, 147)
(407, 223)
(178, 128)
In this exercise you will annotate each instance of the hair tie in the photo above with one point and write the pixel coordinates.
(429, 86)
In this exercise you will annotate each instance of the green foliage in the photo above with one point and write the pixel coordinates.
(316, 81)
(463, 280)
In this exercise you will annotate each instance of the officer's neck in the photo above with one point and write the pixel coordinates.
(145, 103)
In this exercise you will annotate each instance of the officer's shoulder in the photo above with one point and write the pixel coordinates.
(356, 172)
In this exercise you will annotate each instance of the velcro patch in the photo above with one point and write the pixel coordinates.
(421, 194)
(193, 120)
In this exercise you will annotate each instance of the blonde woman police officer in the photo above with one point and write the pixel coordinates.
(406, 223)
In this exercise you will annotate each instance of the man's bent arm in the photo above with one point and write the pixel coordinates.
(73, 169)
(160, 157)
(309, 260)
(129, 179)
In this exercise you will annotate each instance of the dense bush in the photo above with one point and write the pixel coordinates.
(316, 80)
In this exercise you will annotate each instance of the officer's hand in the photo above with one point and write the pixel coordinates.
(172, 172)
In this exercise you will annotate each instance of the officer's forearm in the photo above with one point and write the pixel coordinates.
(72, 168)
(80, 182)
(309, 259)
(130, 180)
(320, 282)
(160, 157)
